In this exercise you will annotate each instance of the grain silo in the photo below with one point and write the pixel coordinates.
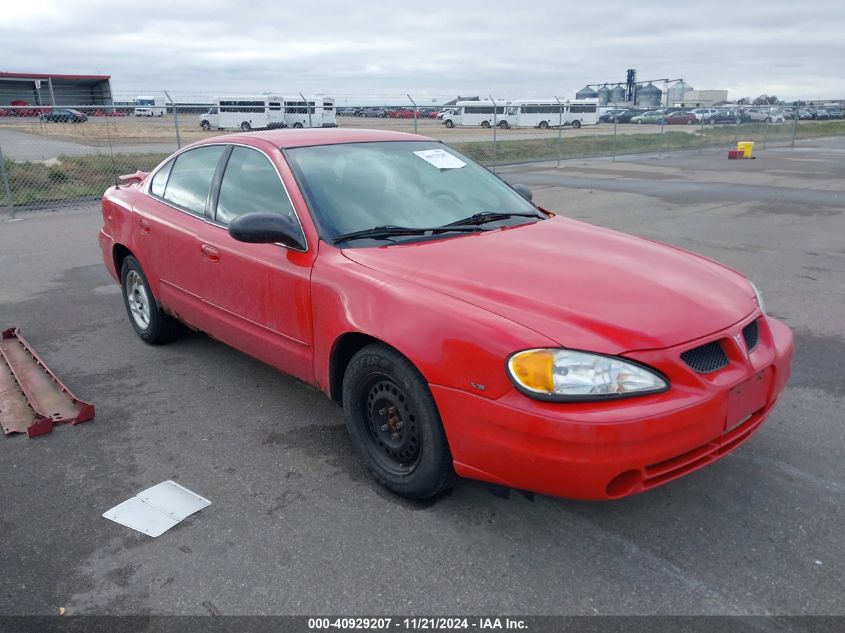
(586, 93)
(677, 91)
(649, 96)
(617, 94)
(603, 95)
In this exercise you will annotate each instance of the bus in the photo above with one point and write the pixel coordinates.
(546, 113)
(316, 111)
(149, 106)
(259, 112)
(485, 113)
(267, 112)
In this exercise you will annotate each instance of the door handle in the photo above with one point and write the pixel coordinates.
(210, 253)
(144, 225)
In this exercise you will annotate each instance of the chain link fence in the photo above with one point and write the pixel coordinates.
(51, 156)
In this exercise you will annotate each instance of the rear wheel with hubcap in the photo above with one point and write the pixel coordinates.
(394, 423)
(148, 320)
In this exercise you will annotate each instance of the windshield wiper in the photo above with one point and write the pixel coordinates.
(390, 230)
(491, 216)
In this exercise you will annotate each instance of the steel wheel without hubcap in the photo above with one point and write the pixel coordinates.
(394, 424)
(139, 302)
(395, 438)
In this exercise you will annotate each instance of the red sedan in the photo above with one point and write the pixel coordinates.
(680, 118)
(464, 330)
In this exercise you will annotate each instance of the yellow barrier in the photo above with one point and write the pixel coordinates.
(746, 147)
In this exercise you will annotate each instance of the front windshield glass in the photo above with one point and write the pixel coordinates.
(359, 186)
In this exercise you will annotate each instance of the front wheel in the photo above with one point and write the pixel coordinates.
(205, 125)
(449, 123)
(544, 125)
(576, 124)
(485, 124)
(245, 126)
(394, 423)
(148, 320)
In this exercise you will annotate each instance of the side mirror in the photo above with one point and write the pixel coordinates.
(524, 191)
(267, 228)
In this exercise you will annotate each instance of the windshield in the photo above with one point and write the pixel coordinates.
(354, 187)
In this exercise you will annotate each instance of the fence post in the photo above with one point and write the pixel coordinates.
(175, 120)
(794, 125)
(766, 126)
(663, 114)
(613, 149)
(495, 125)
(416, 113)
(307, 109)
(559, 129)
(6, 189)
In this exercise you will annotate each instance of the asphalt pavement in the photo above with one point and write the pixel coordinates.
(296, 525)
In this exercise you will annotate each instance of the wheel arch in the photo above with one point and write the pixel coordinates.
(119, 253)
(344, 348)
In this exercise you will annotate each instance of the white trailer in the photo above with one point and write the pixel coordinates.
(485, 113)
(546, 113)
(329, 113)
(150, 106)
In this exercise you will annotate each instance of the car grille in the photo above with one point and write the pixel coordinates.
(751, 334)
(706, 358)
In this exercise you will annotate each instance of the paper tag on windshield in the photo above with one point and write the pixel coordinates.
(440, 159)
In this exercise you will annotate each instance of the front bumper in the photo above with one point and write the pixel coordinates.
(608, 450)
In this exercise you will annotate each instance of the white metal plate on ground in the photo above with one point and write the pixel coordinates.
(157, 509)
(174, 500)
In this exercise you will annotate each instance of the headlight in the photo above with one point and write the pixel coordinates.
(562, 374)
(758, 297)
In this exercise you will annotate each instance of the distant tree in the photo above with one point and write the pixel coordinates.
(773, 100)
(743, 101)
(761, 100)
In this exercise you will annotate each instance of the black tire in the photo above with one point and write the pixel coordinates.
(205, 125)
(576, 124)
(161, 327)
(485, 124)
(245, 126)
(449, 123)
(394, 423)
(504, 125)
(544, 125)
(297, 125)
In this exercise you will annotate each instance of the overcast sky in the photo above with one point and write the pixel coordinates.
(431, 48)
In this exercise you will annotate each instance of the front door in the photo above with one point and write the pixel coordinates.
(258, 295)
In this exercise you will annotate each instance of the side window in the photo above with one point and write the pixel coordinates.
(250, 185)
(191, 176)
(159, 181)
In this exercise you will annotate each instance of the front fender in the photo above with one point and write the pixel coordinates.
(452, 343)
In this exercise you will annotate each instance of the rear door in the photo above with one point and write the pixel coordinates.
(165, 226)
(257, 295)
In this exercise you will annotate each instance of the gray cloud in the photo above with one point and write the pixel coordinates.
(433, 49)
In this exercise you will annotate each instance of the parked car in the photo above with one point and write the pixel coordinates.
(835, 112)
(611, 115)
(680, 117)
(650, 116)
(726, 115)
(762, 114)
(370, 264)
(374, 113)
(821, 114)
(705, 115)
(625, 117)
(64, 115)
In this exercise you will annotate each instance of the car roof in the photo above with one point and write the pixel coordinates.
(316, 136)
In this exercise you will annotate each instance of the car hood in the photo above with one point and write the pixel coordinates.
(580, 285)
